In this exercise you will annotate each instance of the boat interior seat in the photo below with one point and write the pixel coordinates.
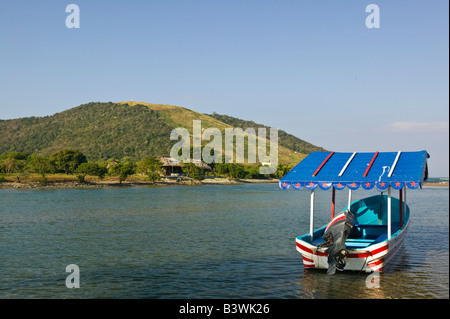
(369, 232)
(355, 243)
(380, 238)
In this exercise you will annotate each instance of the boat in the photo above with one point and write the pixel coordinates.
(367, 234)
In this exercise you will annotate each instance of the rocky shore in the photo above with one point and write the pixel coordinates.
(129, 183)
(137, 181)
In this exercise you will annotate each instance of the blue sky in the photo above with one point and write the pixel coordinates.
(311, 68)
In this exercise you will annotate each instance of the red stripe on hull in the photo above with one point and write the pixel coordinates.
(354, 255)
(304, 248)
(308, 250)
(366, 254)
(307, 259)
(376, 262)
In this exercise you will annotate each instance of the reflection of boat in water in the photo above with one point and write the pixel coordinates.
(368, 233)
(317, 285)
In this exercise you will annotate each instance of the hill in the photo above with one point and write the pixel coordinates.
(99, 130)
(115, 130)
(286, 140)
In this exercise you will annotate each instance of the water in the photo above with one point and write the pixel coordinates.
(212, 241)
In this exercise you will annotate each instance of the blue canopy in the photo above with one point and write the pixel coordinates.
(354, 170)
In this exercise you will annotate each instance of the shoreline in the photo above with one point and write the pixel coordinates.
(129, 183)
(58, 182)
(436, 184)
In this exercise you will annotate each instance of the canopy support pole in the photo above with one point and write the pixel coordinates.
(349, 198)
(333, 198)
(311, 216)
(401, 207)
(404, 200)
(389, 213)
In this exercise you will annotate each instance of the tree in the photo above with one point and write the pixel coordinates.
(67, 161)
(13, 162)
(193, 171)
(91, 168)
(213, 168)
(8, 165)
(231, 170)
(123, 169)
(151, 167)
(253, 173)
(222, 168)
(40, 165)
(236, 170)
(282, 170)
(17, 155)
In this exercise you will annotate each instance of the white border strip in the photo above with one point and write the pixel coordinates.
(393, 165)
(346, 164)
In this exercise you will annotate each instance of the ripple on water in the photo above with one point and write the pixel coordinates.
(233, 241)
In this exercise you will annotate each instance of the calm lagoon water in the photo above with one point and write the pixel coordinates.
(212, 241)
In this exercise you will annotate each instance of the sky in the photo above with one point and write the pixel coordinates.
(309, 67)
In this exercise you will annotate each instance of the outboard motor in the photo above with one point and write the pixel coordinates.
(335, 236)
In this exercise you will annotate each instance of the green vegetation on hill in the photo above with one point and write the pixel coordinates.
(99, 130)
(103, 131)
(286, 140)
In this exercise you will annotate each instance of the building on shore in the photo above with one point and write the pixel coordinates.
(173, 167)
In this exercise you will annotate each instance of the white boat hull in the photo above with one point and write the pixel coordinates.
(372, 258)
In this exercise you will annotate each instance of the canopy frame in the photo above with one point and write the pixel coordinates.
(357, 169)
(404, 170)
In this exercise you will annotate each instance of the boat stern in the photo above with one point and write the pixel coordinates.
(373, 258)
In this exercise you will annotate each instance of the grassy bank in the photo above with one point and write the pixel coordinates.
(71, 181)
